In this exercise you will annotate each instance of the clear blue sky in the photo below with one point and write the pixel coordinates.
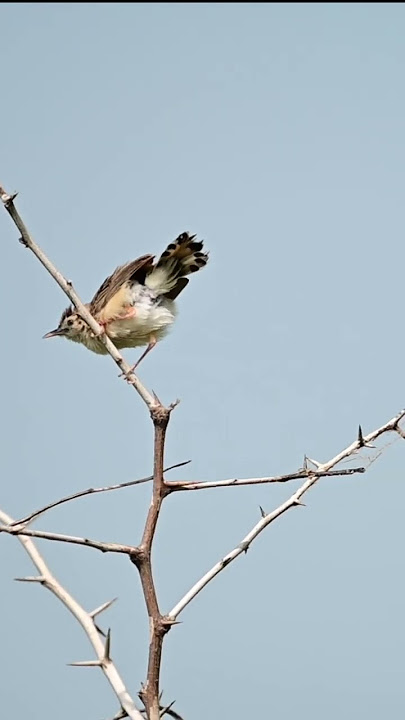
(275, 132)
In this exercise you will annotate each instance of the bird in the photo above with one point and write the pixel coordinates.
(135, 305)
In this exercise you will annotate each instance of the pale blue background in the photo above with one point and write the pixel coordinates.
(277, 134)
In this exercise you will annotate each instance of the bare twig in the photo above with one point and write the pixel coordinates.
(67, 287)
(178, 485)
(92, 491)
(96, 544)
(48, 580)
(293, 501)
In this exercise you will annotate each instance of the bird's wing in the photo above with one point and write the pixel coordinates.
(114, 292)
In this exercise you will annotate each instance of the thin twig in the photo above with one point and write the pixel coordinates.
(96, 544)
(179, 485)
(48, 580)
(67, 287)
(294, 501)
(92, 491)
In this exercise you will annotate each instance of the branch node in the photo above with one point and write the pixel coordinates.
(167, 622)
(159, 414)
(244, 546)
(7, 199)
(23, 242)
(400, 432)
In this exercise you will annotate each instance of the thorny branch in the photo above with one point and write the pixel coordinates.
(178, 485)
(92, 491)
(183, 485)
(141, 555)
(293, 501)
(86, 620)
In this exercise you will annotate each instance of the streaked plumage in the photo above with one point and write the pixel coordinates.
(135, 305)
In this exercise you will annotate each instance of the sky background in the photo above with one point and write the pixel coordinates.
(275, 132)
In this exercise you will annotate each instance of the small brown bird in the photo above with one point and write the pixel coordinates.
(135, 305)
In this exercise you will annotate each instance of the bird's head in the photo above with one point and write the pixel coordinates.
(71, 326)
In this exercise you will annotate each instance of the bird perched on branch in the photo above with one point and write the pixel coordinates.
(135, 305)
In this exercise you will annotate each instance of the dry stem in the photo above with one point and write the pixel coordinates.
(294, 501)
(86, 620)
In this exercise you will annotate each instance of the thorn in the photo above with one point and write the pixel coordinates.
(298, 502)
(173, 405)
(164, 710)
(305, 464)
(120, 714)
(107, 657)
(244, 546)
(167, 620)
(86, 663)
(313, 462)
(39, 579)
(99, 630)
(360, 438)
(262, 512)
(102, 607)
(156, 397)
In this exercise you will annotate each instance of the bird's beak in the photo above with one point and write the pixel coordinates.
(53, 333)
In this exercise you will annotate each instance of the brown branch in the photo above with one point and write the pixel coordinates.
(67, 287)
(92, 491)
(178, 485)
(158, 624)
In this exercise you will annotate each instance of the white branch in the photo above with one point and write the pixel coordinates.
(293, 501)
(178, 485)
(86, 621)
(96, 544)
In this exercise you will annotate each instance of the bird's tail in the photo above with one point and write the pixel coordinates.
(182, 257)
